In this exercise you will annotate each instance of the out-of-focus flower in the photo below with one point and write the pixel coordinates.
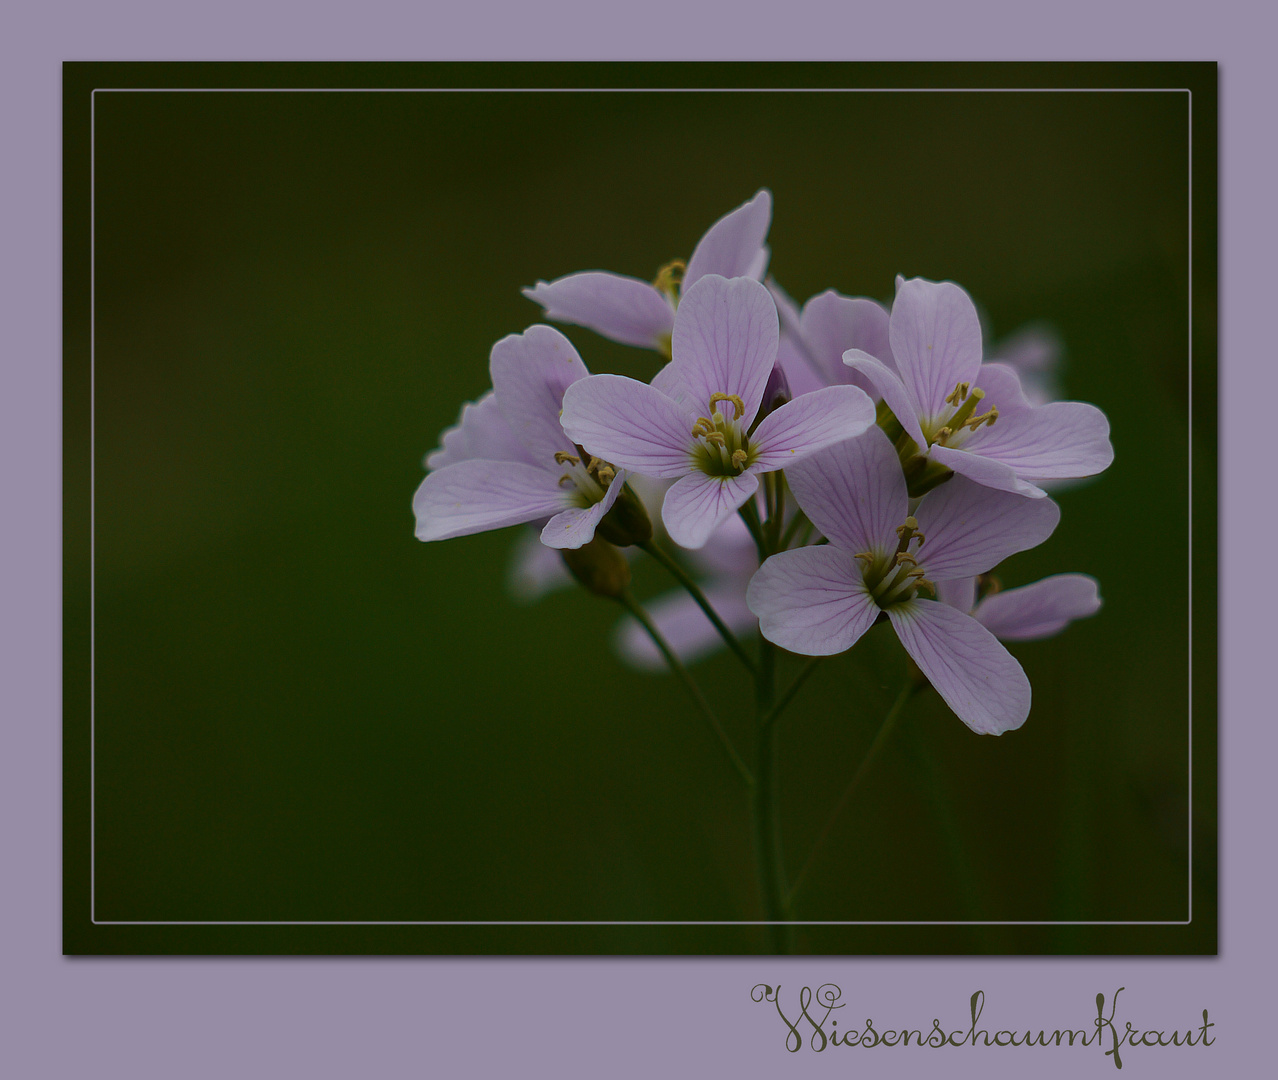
(1028, 612)
(970, 417)
(695, 422)
(820, 600)
(508, 461)
(636, 312)
(1034, 352)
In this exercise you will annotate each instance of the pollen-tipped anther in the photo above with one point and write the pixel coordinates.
(738, 406)
(739, 458)
(562, 457)
(958, 393)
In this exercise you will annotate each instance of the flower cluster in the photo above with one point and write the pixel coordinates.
(825, 467)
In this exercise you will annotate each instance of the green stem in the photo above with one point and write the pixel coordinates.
(778, 511)
(767, 823)
(694, 590)
(750, 515)
(676, 665)
(880, 739)
(796, 523)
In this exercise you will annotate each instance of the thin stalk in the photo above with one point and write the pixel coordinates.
(797, 522)
(880, 740)
(694, 590)
(676, 665)
(767, 825)
(777, 516)
(750, 515)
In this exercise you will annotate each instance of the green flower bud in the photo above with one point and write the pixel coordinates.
(600, 567)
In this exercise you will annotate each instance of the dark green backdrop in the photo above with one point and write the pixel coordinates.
(303, 714)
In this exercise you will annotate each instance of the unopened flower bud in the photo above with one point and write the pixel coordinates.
(600, 567)
(627, 522)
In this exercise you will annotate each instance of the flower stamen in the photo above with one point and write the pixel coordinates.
(562, 457)
(738, 406)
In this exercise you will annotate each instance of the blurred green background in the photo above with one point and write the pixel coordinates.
(304, 714)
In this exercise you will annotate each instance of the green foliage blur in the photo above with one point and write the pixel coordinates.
(303, 714)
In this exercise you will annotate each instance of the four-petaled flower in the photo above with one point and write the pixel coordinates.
(642, 313)
(970, 417)
(696, 421)
(508, 460)
(820, 600)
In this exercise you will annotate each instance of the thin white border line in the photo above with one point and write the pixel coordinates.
(640, 922)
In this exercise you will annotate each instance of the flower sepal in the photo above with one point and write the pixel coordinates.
(627, 522)
(600, 568)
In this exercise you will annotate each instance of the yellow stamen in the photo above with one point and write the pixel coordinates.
(738, 406)
(605, 474)
(738, 459)
(714, 437)
(562, 457)
(958, 394)
(670, 276)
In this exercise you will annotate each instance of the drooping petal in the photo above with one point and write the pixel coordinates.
(725, 341)
(936, 341)
(812, 600)
(698, 504)
(831, 324)
(684, 625)
(985, 471)
(630, 424)
(620, 308)
(475, 496)
(1063, 439)
(887, 385)
(853, 492)
(1039, 610)
(481, 431)
(978, 678)
(530, 373)
(733, 245)
(576, 525)
(969, 528)
(810, 423)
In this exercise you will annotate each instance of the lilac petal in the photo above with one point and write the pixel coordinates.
(887, 384)
(576, 526)
(535, 569)
(959, 593)
(812, 601)
(1002, 386)
(725, 341)
(936, 341)
(1060, 440)
(733, 245)
(1039, 610)
(810, 423)
(978, 678)
(1034, 348)
(832, 324)
(853, 492)
(985, 471)
(530, 373)
(802, 376)
(620, 308)
(481, 432)
(684, 626)
(630, 424)
(969, 528)
(698, 504)
(475, 496)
